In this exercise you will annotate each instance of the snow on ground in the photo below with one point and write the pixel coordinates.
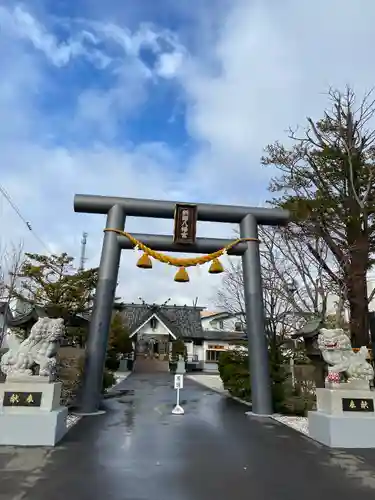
(119, 377)
(72, 420)
(299, 424)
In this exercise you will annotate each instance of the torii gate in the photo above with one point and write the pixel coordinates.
(117, 209)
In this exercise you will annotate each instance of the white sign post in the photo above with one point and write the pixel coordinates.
(178, 384)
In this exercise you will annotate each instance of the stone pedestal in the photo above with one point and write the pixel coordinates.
(30, 413)
(345, 418)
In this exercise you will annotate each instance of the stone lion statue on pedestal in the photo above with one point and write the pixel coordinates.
(337, 352)
(39, 348)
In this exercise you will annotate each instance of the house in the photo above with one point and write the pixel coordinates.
(230, 322)
(153, 328)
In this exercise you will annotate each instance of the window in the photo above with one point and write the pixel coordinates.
(153, 323)
(221, 324)
(238, 326)
(212, 356)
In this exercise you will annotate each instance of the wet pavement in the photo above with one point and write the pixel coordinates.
(138, 450)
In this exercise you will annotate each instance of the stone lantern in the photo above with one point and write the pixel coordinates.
(309, 333)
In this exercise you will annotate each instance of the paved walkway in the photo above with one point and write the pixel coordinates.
(150, 365)
(210, 380)
(138, 450)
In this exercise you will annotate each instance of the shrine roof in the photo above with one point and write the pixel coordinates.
(182, 321)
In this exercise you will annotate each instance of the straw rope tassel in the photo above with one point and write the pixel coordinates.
(145, 261)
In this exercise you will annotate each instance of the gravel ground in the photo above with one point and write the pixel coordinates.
(72, 420)
(299, 424)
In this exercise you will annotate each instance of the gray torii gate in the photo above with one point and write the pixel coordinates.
(117, 209)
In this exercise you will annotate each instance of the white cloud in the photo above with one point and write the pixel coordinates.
(169, 64)
(269, 67)
(245, 81)
(139, 173)
(21, 24)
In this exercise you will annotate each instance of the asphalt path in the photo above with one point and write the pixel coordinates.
(138, 450)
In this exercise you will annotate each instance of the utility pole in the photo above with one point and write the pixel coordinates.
(83, 252)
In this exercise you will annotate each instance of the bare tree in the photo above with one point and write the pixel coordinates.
(230, 296)
(11, 260)
(303, 282)
(326, 178)
(294, 284)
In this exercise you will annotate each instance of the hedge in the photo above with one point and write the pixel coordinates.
(235, 375)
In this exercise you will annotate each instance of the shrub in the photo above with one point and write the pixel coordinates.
(108, 380)
(172, 367)
(235, 375)
(119, 339)
(298, 400)
(69, 367)
(278, 374)
(112, 361)
(178, 349)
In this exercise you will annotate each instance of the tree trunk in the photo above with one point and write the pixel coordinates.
(339, 315)
(358, 301)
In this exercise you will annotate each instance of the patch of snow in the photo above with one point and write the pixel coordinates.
(119, 377)
(72, 420)
(299, 424)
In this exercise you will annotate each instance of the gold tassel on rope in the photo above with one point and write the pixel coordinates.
(181, 276)
(144, 262)
(216, 267)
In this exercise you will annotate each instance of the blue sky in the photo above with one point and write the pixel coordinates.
(165, 100)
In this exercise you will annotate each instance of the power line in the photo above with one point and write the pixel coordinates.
(23, 219)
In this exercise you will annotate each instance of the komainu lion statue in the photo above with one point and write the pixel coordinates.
(337, 352)
(39, 348)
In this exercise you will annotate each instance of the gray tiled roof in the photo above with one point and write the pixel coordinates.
(309, 329)
(32, 315)
(223, 335)
(183, 321)
(36, 312)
